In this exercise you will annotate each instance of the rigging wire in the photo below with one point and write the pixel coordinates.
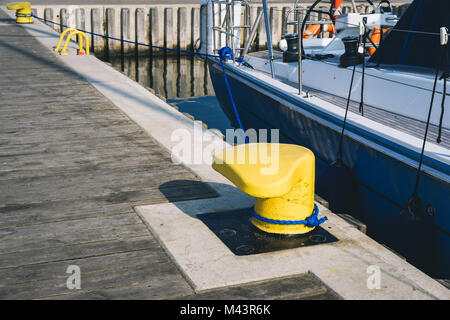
(444, 77)
(341, 138)
(414, 205)
(364, 36)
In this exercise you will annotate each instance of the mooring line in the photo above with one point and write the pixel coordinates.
(225, 53)
(127, 41)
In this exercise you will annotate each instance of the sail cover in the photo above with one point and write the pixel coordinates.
(416, 49)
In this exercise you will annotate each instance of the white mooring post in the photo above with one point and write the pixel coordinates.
(207, 45)
(140, 34)
(97, 42)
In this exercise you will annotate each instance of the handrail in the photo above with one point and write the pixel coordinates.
(223, 24)
(81, 35)
(63, 34)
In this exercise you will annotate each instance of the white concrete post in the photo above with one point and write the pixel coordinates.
(140, 30)
(112, 45)
(275, 25)
(98, 43)
(262, 37)
(155, 29)
(284, 26)
(195, 27)
(182, 28)
(168, 28)
(80, 20)
(125, 28)
(48, 15)
(63, 19)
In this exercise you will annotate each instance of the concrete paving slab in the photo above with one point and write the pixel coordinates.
(344, 266)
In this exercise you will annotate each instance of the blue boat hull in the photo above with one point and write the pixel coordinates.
(383, 184)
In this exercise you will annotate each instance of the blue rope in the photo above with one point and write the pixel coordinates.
(311, 221)
(226, 53)
(127, 41)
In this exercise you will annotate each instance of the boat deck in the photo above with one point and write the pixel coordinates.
(410, 126)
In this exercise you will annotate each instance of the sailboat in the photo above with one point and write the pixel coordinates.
(369, 101)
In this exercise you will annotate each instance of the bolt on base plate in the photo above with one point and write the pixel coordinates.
(236, 231)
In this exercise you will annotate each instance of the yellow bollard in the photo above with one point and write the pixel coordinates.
(81, 35)
(23, 11)
(280, 177)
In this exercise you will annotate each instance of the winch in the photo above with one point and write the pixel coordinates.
(289, 46)
(351, 57)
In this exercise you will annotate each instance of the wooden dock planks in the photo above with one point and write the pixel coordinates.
(72, 166)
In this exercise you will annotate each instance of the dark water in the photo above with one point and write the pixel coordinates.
(182, 79)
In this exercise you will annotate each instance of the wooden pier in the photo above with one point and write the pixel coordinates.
(89, 192)
(72, 167)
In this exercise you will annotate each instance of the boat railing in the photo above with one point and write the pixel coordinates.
(301, 9)
(227, 26)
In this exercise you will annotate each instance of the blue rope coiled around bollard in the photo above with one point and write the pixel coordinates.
(226, 53)
(311, 221)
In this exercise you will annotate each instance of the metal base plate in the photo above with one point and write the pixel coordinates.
(242, 238)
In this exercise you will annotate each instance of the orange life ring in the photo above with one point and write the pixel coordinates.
(335, 9)
(314, 29)
(376, 37)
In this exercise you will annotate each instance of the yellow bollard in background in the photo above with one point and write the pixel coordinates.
(23, 11)
(73, 32)
(61, 38)
(81, 35)
(281, 178)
